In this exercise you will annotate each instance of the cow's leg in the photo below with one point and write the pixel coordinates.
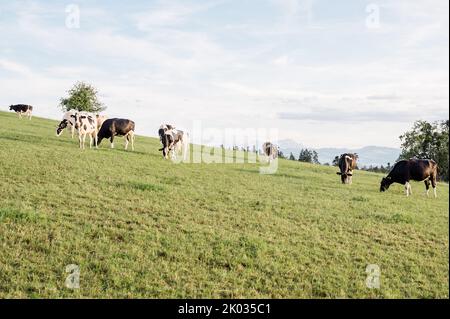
(29, 115)
(408, 189)
(80, 139)
(84, 140)
(72, 130)
(126, 141)
(166, 153)
(112, 141)
(427, 186)
(96, 139)
(20, 114)
(90, 140)
(132, 140)
(433, 183)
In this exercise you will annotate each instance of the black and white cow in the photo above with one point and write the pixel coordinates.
(347, 163)
(173, 141)
(68, 120)
(413, 169)
(22, 109)
(270, 150)
(86, 124)
(117, 127)
(163, 129)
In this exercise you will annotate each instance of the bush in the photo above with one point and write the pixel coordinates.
(82, 97)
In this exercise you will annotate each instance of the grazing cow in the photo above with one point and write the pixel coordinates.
(270, 150)
(173, 141)
(22, 109)
(117, 127)
(346, 164)
(67, 120)
(413, 169)
(86, 124)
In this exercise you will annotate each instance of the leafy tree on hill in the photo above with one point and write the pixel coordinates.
(428, 140)
(308, 156)
(281, 155)
(335, 161)
(82, 97)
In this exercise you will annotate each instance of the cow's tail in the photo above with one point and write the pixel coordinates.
(437, 170)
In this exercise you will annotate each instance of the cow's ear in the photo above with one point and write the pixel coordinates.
(338, 173)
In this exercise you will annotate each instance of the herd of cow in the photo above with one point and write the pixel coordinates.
(99, 127)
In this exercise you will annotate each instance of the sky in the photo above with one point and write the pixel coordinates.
(324, 73)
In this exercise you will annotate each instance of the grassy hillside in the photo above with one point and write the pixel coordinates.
(140, 226)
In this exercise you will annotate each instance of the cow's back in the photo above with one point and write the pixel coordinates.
(116, 126)
(413, 169)
(421, 169)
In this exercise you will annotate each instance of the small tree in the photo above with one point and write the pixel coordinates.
(315, 157)
(305, 156)
(308, 156)
(82, 97)
(335, 161)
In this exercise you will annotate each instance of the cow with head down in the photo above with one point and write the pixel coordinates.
(173, 142)
(270, 150)
(117, 127)
(346, 164)
(414, 169)
(68, 121)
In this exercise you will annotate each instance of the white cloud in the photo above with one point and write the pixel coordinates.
(240, 73)
(170, 13)
(14, 67)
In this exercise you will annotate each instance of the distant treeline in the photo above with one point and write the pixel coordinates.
(425, 140)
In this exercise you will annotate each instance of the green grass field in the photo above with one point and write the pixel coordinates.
(142, 227)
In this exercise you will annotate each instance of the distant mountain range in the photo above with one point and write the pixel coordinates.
(368, 155)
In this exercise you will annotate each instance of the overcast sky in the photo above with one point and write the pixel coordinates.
(326, 73)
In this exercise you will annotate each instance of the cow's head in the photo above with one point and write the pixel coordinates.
(345, 177)
(161, 132)
(11, 107)
(61, 127)
(385, 183)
